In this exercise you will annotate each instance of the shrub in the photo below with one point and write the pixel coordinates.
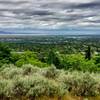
(31, 82)
(7, 66)
(29, 69)
(20, 86)
(51, 72)
(35, 86)
(10, 72)
(6, 88)
(42, 86)
(80, 84)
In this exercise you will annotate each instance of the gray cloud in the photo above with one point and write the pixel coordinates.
(91, 5)
(12, 2)
(49, 13)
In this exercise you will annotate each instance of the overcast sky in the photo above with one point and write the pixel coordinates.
(50, 14)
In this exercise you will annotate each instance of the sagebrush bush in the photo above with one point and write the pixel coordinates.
(11, 72)
(35, 86)
(30, 81)
(21, 86)
(29, 69)
(7, 66)
(6, 88)
(43, 86)
(51, 72)
(80, 84)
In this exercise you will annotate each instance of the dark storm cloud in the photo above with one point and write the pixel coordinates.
(71, 6)
(33, 12)
(91, 5)
(49, 13)
(12, 2)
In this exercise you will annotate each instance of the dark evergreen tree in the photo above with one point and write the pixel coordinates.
(53, 58)
(88, 53)
(5, 52)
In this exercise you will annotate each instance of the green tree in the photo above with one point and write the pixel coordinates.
(88, 53)
(5, 52)
(53, 58)
(29, 57)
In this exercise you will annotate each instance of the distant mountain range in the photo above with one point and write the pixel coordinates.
(7, 32)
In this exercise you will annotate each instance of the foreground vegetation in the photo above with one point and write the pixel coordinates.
(32, 82)
(50, 71)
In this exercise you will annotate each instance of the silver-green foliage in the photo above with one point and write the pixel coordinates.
(32, 81)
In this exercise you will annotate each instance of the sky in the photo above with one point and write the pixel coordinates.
(50, 16)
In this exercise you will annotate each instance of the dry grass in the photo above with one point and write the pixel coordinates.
(66, 97)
